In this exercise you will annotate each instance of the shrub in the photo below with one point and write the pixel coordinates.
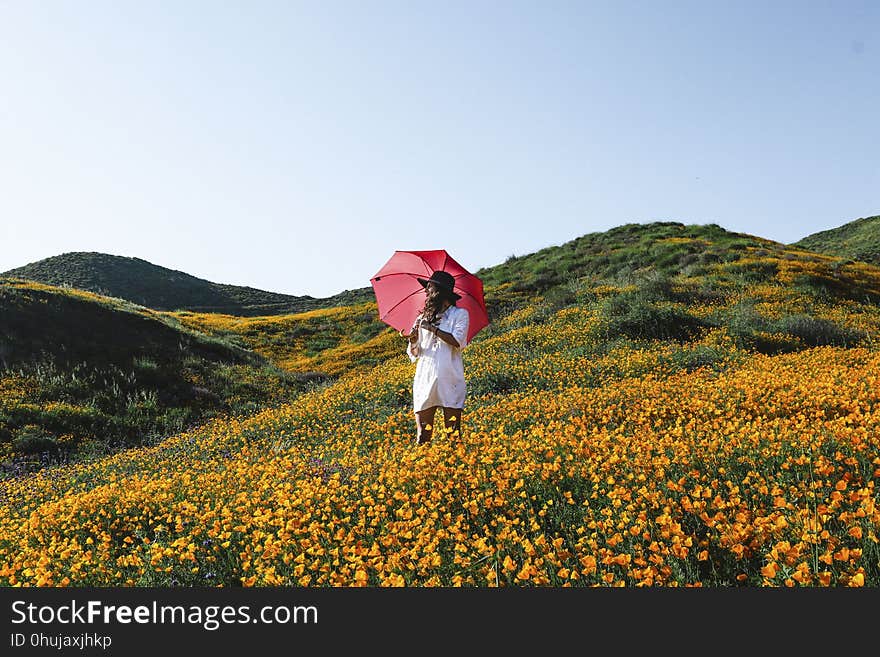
(31, 439)
(492, 383)
(745, 320)
(701, 356)
(636, 315)
(818, 332)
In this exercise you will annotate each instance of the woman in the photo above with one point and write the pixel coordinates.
(435, 343)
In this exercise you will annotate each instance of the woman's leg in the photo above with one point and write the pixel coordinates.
(452, 420)
(425, 425)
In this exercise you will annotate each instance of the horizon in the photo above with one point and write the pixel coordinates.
(368, 285)
(527, 253)
(293, 147)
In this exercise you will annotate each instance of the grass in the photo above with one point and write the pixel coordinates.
(685, 414)
(145, 284)
(86, 375)
(855, 240)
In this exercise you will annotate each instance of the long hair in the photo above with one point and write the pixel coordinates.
(434, 303)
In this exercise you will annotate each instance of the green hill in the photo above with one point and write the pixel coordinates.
(665, 247)
(708, 257)
(858, 240)
(83, 369)
(78, 371)
(645, 281)
(666, 405)
(152, 286)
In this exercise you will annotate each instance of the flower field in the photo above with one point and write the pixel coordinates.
(585, 461)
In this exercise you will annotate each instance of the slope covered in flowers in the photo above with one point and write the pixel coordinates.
(328, 340)
(603, 445)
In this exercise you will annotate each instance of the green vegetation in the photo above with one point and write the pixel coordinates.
(83, 374)
(152, 286)
(682, 407)
(857, 240)
(620, 255)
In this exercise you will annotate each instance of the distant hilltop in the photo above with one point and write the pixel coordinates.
(595, 254)
(159, 288)
(857, 240)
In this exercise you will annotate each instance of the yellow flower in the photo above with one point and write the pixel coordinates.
(770, 570)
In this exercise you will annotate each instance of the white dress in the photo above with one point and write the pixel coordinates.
(439, 378)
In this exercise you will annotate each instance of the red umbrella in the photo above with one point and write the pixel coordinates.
(401, 297)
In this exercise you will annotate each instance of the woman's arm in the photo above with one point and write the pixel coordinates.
(458, 335)
(448, 338)
(412, 338)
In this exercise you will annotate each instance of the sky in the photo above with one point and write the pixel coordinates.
(294, 146)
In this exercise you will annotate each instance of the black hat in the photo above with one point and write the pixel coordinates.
(444, 280)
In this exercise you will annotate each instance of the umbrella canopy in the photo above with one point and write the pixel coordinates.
(401, 297)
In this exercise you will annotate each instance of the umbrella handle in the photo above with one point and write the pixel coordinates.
(414, 329)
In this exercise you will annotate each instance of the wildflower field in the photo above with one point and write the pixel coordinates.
(744, 451)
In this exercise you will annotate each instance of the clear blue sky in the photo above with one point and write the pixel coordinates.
(293, 146)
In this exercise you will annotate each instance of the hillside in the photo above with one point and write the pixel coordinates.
(152, 286)
(660, 271)
(660, 281)
(856, 240)
(79, 371)
(630, 250)
(682, 407)
(708, 256)
(705, 263)
(328, 340)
